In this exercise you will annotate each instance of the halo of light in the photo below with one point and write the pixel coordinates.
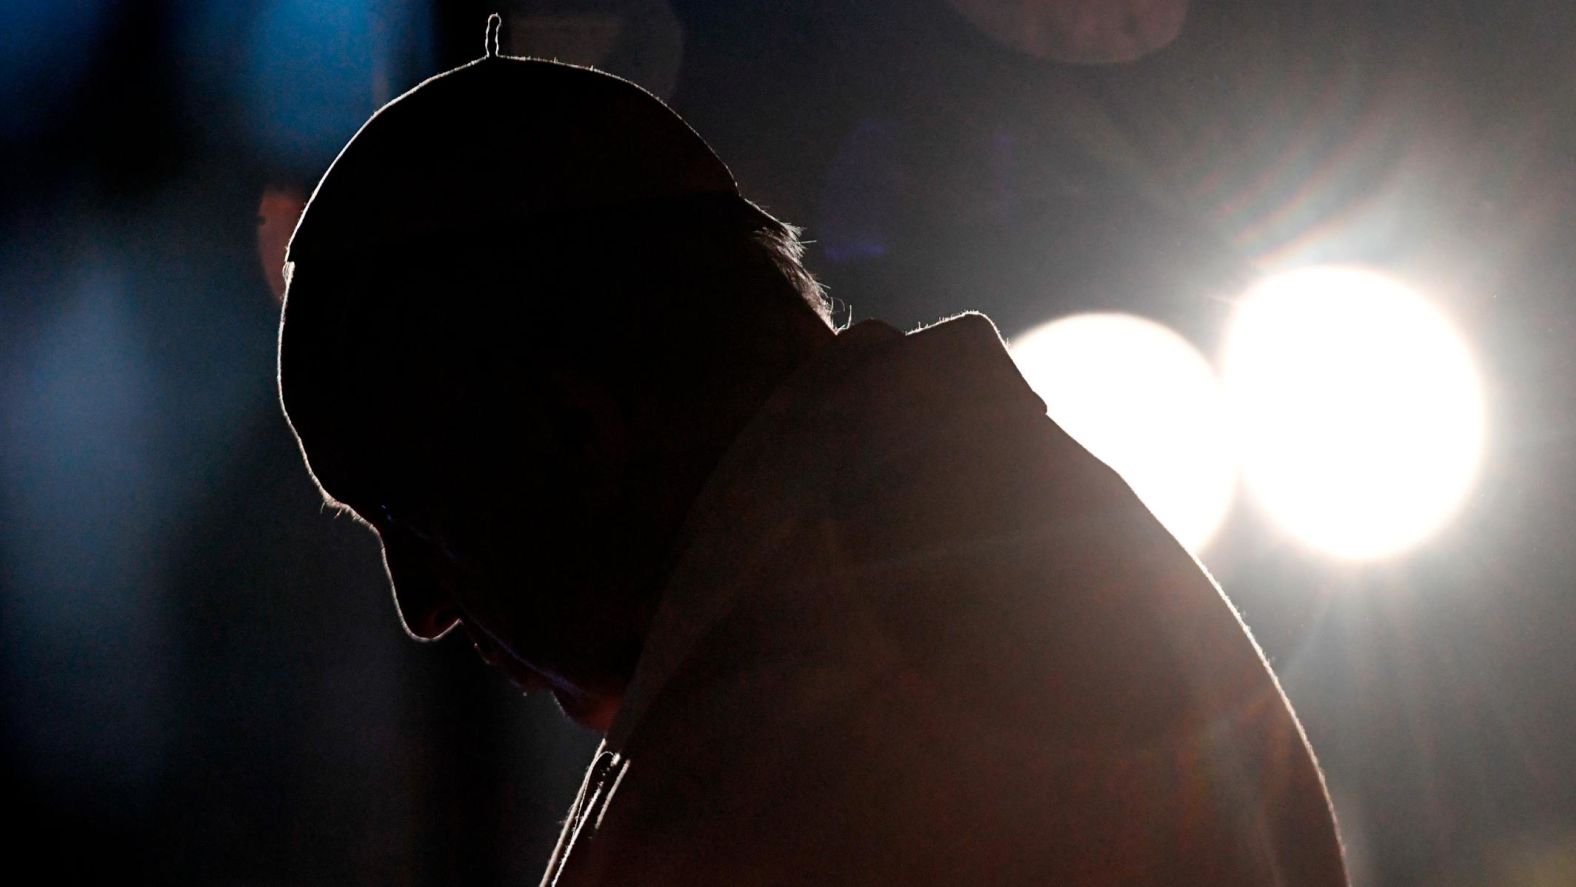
(1357, 408)
(1146, 402)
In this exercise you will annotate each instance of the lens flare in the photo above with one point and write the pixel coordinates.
(1146, 402)
(1357, 409)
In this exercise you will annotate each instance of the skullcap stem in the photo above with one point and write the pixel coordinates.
(490, 43)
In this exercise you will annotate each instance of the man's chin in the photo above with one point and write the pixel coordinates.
(587, 709)
(593, 712)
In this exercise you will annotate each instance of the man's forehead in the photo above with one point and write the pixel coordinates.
(420, 458)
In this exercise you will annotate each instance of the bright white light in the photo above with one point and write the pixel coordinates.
(1358, 412)
(1144, 401)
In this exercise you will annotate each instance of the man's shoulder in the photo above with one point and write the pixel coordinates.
(967, 650)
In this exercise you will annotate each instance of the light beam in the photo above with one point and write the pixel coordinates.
(1357, 410)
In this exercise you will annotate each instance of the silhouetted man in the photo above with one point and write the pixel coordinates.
(848, 606)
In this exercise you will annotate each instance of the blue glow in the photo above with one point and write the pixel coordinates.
(311, 76)
(76, 452)
(45, 49)
(76, 447)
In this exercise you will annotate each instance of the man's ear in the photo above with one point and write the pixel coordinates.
(278, 210)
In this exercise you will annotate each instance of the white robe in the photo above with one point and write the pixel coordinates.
(917, 636)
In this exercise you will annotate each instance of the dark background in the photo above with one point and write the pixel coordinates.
(203, 678)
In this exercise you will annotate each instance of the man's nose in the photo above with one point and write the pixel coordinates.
(424, 605)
